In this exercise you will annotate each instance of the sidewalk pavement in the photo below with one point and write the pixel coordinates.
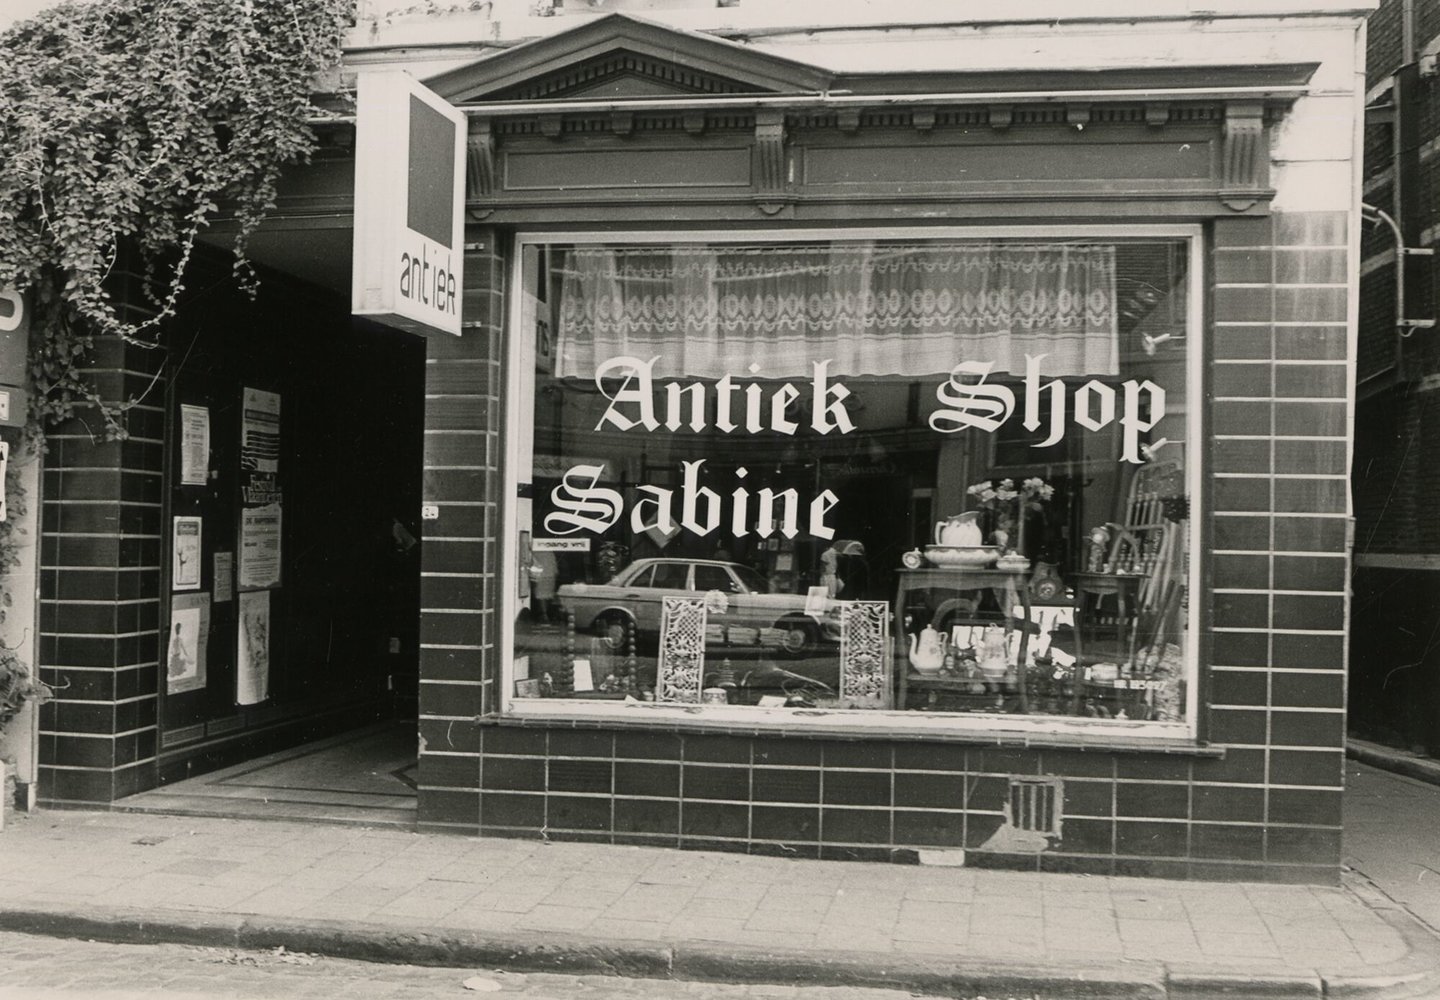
(394, 895)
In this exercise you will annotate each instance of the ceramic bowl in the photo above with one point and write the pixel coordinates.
(961, 555)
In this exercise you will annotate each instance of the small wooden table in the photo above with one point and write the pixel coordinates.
(942, 586)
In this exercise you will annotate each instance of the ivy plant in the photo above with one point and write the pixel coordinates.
(126, 128)
(126, 125)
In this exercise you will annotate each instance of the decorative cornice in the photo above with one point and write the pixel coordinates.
(480, 177)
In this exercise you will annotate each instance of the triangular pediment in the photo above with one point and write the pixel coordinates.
(618, 56)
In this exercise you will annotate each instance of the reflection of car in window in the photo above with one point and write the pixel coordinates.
(633, 597)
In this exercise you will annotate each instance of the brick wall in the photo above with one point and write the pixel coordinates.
(459, 559)
(99, 589)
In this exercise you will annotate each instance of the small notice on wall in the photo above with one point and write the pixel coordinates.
(224, 580)
(252, 677)
(194, 445)
(189, 635)
(260, 547)
(185, 547)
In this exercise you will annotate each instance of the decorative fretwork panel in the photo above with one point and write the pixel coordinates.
(682, 650)
(865, 654)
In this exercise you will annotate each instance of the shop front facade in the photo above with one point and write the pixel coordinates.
(895, 442)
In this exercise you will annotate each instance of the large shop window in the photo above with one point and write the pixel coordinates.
(923, 477)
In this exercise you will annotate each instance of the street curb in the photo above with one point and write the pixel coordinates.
(1397, 761)
(698, 961)
(1416, 975)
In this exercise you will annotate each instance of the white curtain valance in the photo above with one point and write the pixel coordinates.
(872, 309)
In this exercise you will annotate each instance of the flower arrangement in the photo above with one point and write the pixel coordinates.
(1009, 504)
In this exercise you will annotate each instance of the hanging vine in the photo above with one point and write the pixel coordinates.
(126, 128)
(126, 125)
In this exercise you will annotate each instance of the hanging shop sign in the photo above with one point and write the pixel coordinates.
(409, 193)
(14, 346)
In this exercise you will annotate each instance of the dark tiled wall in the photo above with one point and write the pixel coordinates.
(99, 589)
(459, 557)
(1276, 439)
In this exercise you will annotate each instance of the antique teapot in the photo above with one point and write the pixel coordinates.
(960, 530)
(926, 651)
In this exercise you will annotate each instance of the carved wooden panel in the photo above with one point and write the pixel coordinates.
(681, 670)
(865, 654)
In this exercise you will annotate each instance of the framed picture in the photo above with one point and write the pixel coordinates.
(528, 688)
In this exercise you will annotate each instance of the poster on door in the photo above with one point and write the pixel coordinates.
(194, 445)
(260, 547)
(252, 679)
(189, 635)
(260, 448)
(185, 550)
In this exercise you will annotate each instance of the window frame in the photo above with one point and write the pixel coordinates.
(520, 387)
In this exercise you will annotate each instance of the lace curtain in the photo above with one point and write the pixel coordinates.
(872, 309)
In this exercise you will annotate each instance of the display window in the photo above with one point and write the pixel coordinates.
(872, 479)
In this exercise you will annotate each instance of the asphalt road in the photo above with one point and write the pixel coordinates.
(1391, 838)
(42, 968)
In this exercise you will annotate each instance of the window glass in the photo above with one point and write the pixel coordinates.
(950, 476)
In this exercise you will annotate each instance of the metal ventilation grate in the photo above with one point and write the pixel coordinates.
(1035, 804)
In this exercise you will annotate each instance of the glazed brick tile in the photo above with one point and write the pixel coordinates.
(68, 785)
(980, 827)
(512, 774)
(581, 743)
(443, 734)
(1078, 763)
(715, 819)
(1231, 725)
(1239, 765)
(1297, 533)
(856, 788)
(930, 757)
(929, 828)
(452, 664)
(1065, 864)
(455, 485)
(1309, 652)
(1310, 419)
(1153, 767)
(1288, 844)
(1310, 343)
(1244, 494)
(635, 778)
(579, 775)
(1240, 843)
(1303, 611)
(451, 591)
(701, 782)
(448, 772)
(1243, 534)
(449, 806)
(1307, 767)
(859, 755)
(790, 824)
(1241, 571)
(1159, 839)
(1310, 305)
(512, 810)
(1322, 458)
(855, 826)
(1089, 798)
(1300, 728)
(1242, 343)
(441, 698)
(1229, 803)
(1239, 687)
(1243, 305)
(1321, 573)
(573, 812)
(1242, 380)
(801, 753)
(717, 749)
(1152, 801)
(515, 740)
(80, 751)
(1318, 690)
(1311, 496)
(1087, 836)
(797, 784)
(921, 790)
(1310, 267)
(1250, 231)
(1241, 611)
(1243, 418)
(439, 628)
(995, 761)
(649, 746)
(1311, 381)
(1305, 806)
(1245, 266)
(1240, 649)
(987, 792)
(652, 816)
(1241, 456)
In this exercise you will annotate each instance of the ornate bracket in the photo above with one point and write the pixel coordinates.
(1001, 115)
(771, 173)
(1244, 156)
(480, 176)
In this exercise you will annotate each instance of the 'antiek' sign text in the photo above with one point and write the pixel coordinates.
(409, 191)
